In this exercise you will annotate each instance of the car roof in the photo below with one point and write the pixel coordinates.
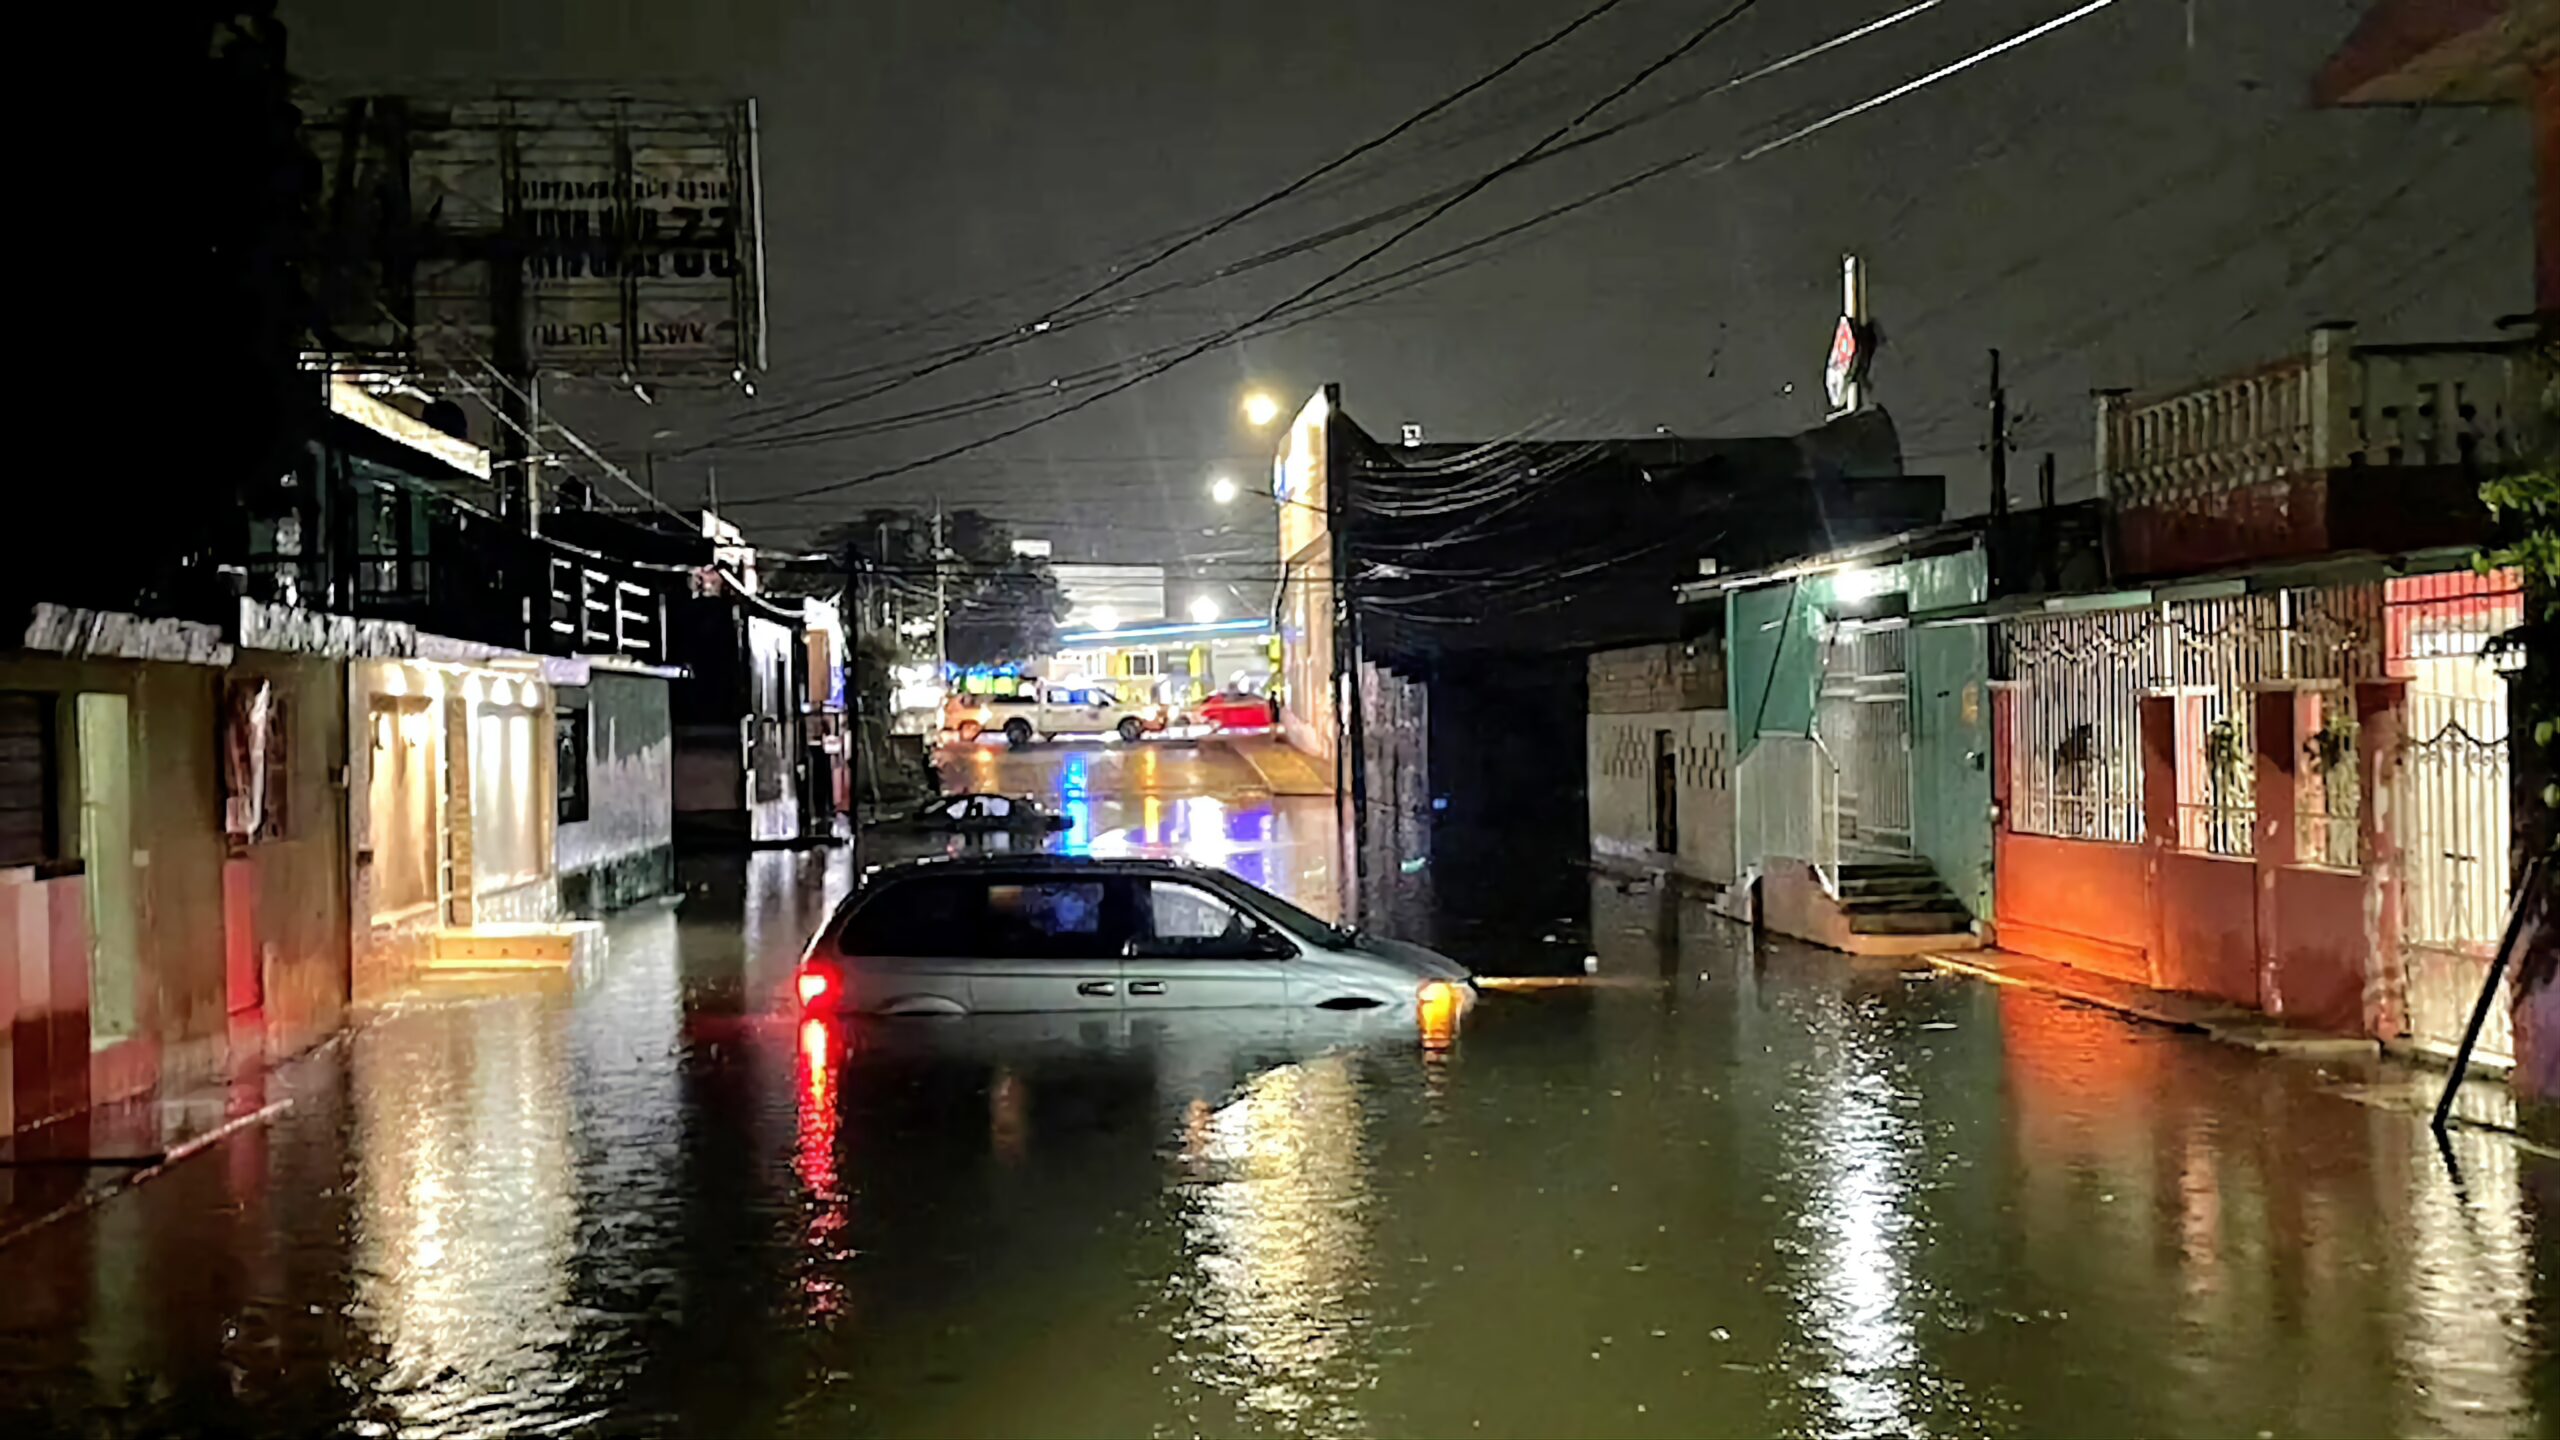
(1035, 864)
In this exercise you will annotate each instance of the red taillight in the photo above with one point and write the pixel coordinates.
(814, 985)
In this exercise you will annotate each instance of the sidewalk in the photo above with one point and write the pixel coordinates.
(1281, 769)
(64, 1166)
(2219, 1020)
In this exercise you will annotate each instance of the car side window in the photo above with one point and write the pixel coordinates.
(1188, 921)
(996, 807)
(1050, 920)
(929, 915)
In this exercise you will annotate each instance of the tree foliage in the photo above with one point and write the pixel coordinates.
(2527, 508)
(1002, 607)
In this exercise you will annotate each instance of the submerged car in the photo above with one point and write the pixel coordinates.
(983, 815)
(1041, 934)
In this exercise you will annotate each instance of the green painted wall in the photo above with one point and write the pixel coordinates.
(1774, 660)
(1949, 675)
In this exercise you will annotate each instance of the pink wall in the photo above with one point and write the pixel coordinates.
(2536, 989)
(2208, 926)
(2080, 902)
(44, 985)
(2304, 943)
(2319, 948)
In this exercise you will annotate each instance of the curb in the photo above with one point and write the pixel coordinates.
(2162, 1018)
(95, 1195)
(1277, 787)
(2249, 1033)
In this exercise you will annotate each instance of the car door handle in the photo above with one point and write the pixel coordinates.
(1095, 987)
(1146, 987)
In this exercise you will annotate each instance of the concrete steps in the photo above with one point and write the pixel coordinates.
(489, 949)
(1899, 897)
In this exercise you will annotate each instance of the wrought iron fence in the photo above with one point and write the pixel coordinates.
(2075, 753)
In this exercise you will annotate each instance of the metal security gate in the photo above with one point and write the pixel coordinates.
(2451, 802)
(1864, 722)
(2452, 816)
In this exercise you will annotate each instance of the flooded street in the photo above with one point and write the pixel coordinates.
(1711, 1187)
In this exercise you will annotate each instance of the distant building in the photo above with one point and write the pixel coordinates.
(1462, 584)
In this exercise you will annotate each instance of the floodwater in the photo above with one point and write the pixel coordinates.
(1708, 1188)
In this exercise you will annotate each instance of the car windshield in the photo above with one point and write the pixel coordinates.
(1297, 922)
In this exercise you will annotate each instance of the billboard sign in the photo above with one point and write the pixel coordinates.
(611, 238)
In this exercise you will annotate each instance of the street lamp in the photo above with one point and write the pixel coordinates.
(1223, 490)
(1260, 409)
(1203, 610)
(1104, 618)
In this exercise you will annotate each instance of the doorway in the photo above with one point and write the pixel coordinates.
(104, 725)
(1666, 792)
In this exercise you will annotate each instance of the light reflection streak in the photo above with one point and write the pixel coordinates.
(1278, 1236)
(1204, 830)
(2469, 1273)
(1860, 1228)
(814, 1161)
(467, 1218)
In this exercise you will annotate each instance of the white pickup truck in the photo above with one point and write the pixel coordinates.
(1051, 710)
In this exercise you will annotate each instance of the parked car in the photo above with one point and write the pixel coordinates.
(982, 814)
(1053, 710)
(1072, 934)
(1236, 710)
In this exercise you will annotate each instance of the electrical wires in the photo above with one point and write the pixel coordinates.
(1313, 292)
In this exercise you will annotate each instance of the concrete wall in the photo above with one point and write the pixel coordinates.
(178, 1031)
(1620, 757)
(44, 997)
(1634, 695)
(295, 888)
(2081, 902)
(624, 851)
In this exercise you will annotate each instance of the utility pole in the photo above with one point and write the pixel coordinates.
(1999, 440)
(858, 759)
(941, 600)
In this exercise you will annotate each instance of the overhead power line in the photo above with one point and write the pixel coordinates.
(1075, 313)
(1697, 38)
(1233, 333)
(1218, 227)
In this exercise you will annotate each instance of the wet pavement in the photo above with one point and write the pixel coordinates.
(1711, 1187)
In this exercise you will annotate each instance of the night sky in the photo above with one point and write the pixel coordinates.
(2139, 199)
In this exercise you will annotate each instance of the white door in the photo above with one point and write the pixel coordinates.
(1194, 950)
(114, 885)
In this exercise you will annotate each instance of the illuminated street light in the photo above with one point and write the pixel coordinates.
(1260, 409)
(1104, 618)
(1204, 609)
(1223, 490)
